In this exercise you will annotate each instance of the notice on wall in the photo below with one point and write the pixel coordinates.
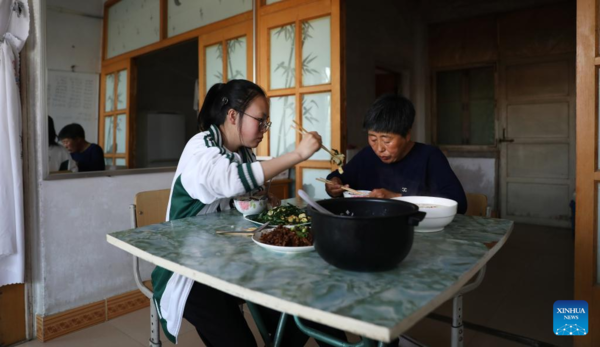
(73, 98)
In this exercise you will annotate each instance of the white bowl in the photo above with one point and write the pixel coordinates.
(247, 206)
(347, 194)
(440, 211)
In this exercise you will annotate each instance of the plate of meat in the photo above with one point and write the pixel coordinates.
(297, 239)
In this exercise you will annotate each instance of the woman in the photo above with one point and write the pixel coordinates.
(216, 165)
(394, 165)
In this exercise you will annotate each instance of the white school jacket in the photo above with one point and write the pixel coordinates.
(207, 176)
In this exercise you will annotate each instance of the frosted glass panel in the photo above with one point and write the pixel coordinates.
(283, 58)
(121, 162)
(282, 138)
(311, 186)
(108, 161)
(109, 97)
(316, 51)
(191, 14)
(132, 24)
(214, 65)
(121, 133)
(269, 2)
(236, 59)
(316, 116)
(108, 134)
(449, 110)
(122, 90)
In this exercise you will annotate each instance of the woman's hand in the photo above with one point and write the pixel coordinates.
(311, 143)
(383, 194)
(335, 189)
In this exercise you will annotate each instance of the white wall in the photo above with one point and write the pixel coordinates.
(477, 175)
(74, 40)
(79, 266)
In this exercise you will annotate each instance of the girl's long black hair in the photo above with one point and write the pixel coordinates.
(221, 97)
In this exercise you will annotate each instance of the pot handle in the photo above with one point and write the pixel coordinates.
(416, 218)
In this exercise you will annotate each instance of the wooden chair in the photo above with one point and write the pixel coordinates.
(476, 205)
(149, 208)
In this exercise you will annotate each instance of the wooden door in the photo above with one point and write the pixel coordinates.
(588, 174)
(537, 139)
(300, 68)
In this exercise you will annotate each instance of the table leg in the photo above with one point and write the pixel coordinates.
(457, 312)
(457, 323)
(280, 327)
(262, 328)
(154, 326)
(154, 322)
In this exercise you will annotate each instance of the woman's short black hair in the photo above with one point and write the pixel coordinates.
(235, 94)
(72, 131)
(51, 133)
(390, 113)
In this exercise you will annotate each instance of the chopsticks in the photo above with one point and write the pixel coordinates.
(242, 232)
(301, 130)
(235, 233)
(355, 192)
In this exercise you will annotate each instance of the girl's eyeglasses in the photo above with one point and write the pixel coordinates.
(263, 123)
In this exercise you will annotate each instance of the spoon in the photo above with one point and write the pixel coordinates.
(313, 203)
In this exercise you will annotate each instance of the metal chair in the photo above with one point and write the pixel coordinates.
(149, 208)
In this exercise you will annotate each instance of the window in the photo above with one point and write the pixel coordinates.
(465, 107)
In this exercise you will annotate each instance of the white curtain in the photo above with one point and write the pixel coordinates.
(14, 29)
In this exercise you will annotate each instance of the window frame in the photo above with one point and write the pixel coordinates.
(115, 69)
(434, 110)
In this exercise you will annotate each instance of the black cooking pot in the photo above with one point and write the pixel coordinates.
(376, 236)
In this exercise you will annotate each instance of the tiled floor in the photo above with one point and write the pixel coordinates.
(533, 269)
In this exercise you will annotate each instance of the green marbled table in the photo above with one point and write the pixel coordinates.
(379, 306)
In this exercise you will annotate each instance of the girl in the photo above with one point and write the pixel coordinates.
(216, 165)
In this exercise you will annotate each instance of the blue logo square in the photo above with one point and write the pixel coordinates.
(571, 317)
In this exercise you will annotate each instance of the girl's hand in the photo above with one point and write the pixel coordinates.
(383, 194)
(311, 143)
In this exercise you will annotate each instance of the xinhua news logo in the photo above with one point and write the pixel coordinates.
(571, 317)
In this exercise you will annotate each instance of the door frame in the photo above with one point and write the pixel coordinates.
(588, 175)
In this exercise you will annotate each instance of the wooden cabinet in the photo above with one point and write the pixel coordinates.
(12, 314)
(281, 188)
